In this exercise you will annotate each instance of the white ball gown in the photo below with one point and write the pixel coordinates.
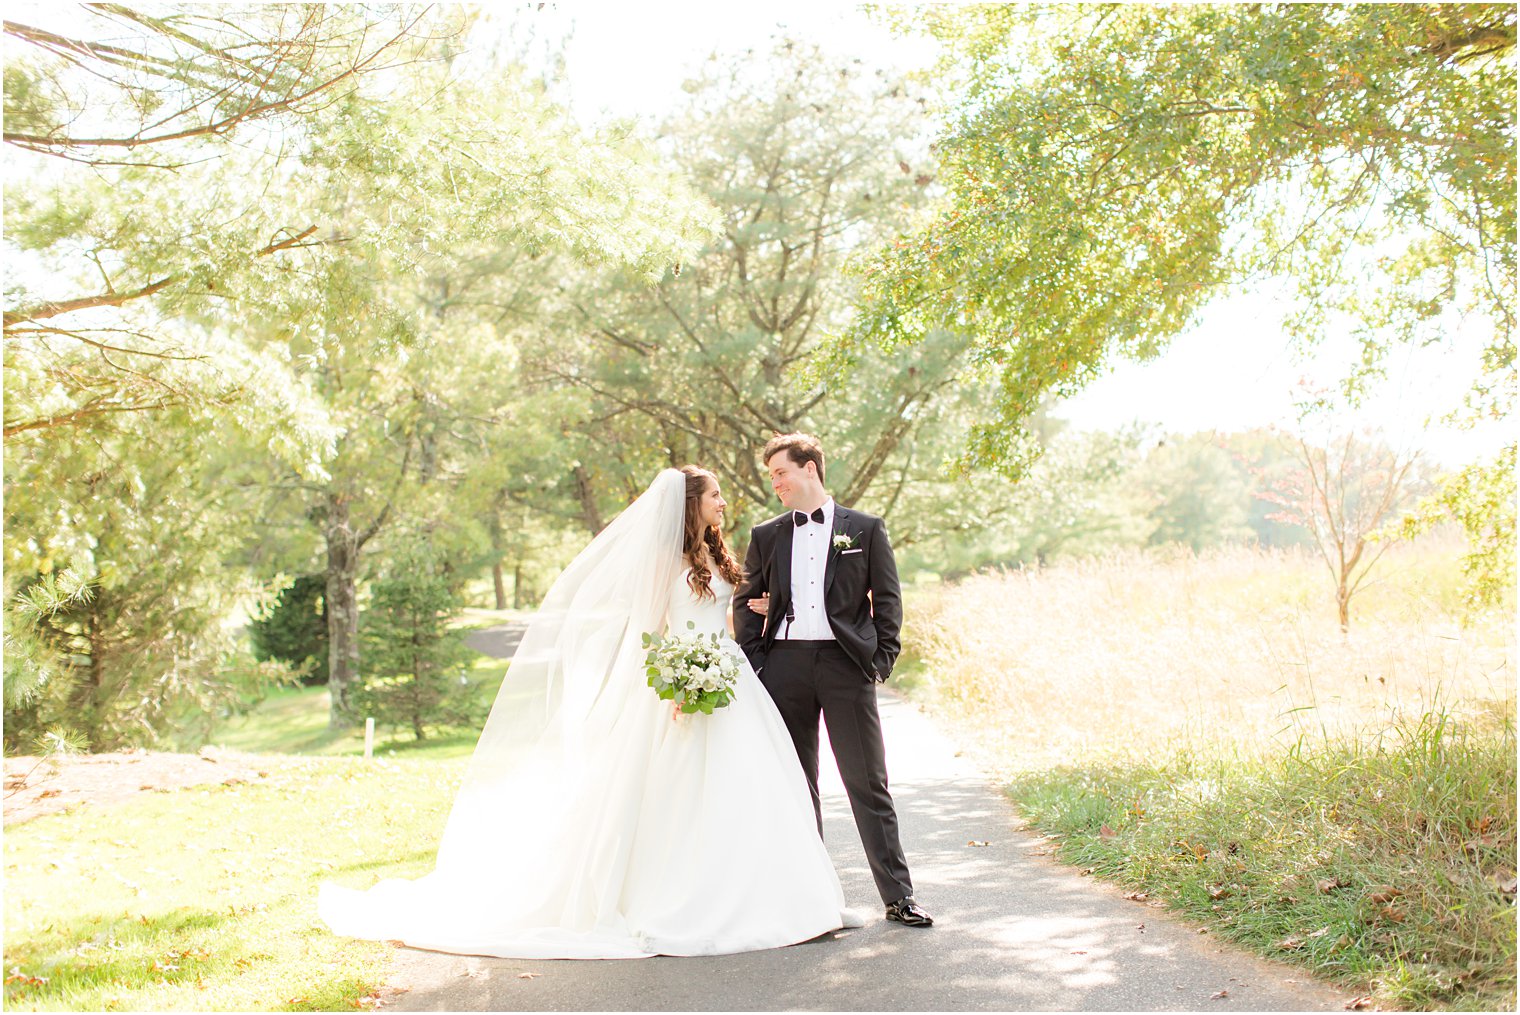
(593, 825)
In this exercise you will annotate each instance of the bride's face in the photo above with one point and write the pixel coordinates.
(710, 507)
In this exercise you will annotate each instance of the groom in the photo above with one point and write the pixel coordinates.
(828, 637)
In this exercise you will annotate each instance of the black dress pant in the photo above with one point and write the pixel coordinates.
(806, 677)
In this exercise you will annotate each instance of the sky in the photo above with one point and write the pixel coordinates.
(1234, 370)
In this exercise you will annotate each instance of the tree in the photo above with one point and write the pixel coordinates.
(184, 117)
(806, 158)
(1343, 494)
(1112, 168)
(304, 277)
(1199, 496)
(1480, 498)
(140, 652)
(415, 673)
(295, 629)
(398, 335)
(186, 72)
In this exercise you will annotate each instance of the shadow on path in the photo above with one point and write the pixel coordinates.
(1014, 931)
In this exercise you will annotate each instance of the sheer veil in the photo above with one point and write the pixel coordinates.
(545, 741)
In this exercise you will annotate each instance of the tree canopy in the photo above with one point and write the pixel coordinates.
(1112, 168)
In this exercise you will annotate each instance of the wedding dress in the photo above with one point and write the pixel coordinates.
(593, 824)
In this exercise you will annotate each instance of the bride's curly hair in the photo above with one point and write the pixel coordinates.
(698, 482)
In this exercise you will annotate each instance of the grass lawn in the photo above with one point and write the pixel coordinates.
(294, 721)
(1199, 730)
(205, 898)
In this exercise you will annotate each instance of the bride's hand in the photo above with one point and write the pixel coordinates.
(760, 604)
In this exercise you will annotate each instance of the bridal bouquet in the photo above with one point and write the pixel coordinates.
(691, 670)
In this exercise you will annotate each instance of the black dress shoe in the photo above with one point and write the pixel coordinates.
(908, 913)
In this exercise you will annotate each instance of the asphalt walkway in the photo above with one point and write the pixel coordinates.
(1013, 930)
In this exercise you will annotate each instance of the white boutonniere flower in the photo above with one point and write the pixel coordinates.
(843, 541)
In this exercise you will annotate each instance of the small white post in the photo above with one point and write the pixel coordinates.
(369, 738)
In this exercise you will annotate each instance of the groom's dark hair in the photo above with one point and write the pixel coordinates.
(801, 448)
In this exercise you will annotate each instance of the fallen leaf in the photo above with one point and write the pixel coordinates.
(1219, 995)
(1383, 893)
(1290, 943)
(1141, 928)
(1218, 892)
(1505, 883)
(45, 794)
(1327, 885)
(1357, 1003)
(1390, 913)
(1319, 933)
(528, 976)
(978, 842)
(1480, 844)
(1106, 832)
(1085, 871)
(1136, 896)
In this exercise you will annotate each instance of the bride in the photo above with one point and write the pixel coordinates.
(593, 822)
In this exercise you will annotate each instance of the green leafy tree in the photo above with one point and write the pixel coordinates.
(1481, 498)
(297, 324)
(806, 158)
(295, 629)
(144, 656)
(416, 668)
(397, 336)
(1112, 168)
(181, 120)
(1199, 495)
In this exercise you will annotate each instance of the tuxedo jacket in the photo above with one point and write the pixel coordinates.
(862, 596)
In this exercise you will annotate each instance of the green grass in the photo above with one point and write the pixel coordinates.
(294, 721)
(1198, 729)
(205, 898)
(1290, 854)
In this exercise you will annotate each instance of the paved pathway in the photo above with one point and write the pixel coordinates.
(1014, 931)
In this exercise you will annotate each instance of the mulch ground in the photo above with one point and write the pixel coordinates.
(34, 787)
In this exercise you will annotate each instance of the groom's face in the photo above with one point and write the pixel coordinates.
(793, 484)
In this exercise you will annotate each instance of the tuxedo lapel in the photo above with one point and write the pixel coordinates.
(781, 592)
(841, 517)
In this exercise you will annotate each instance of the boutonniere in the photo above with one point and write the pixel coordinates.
(843, 541)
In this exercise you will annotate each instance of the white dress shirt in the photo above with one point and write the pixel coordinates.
(810, 559)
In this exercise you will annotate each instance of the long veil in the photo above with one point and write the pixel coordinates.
(544, 747)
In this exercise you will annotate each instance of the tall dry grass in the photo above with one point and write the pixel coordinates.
(1141, 654)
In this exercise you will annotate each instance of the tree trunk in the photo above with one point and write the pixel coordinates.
(589, 513)
(1343, 607)
(342, 612)
(499, 580)
(517, 599)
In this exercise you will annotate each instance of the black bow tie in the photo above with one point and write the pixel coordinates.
(802, 519)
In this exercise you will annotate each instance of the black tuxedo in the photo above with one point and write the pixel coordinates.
(863, 602)
(861, 591)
